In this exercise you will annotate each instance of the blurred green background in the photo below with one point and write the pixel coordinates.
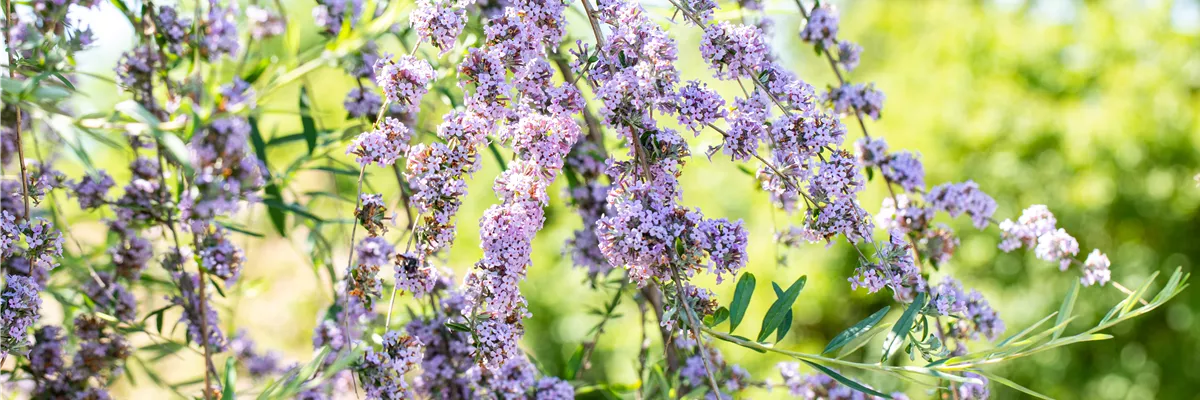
(1089, 107)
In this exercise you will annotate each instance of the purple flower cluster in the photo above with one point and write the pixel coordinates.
(202, 321)
(732, 378)
(92, 190)
(265, 23)
(436, 171)
(98, 359)
(173, 28)
(848, 54)
(588, 196)
(1037, 229)
(382, 371)
(111, 296)
(734, 51)
(362, 279)
(219, 255)
(440, 21)
(381, 146)
(404, 80)
(330, 14)
(361, 103)
(974, 316)
(958, 198)
(226, 172)
(822, 27)
(258, 365)
(220, 31)
(895, 269)
(853, 97)
(22, 308)
(746, 127)
(699, 106)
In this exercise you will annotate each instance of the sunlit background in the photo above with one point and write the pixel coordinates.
(1089, 107)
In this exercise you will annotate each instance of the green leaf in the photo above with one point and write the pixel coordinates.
(293, 207)
(718, 317)
(1064, 311)
(741, 300)
(229, 391)
(787, 318)
(903, 325)
(846, 381)
(862, 340)
(574, 364)
(277, 214)
(457, 326)
(306, 119)
(777, 312)
(855, 331)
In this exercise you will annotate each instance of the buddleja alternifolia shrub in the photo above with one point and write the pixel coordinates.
(607, 112)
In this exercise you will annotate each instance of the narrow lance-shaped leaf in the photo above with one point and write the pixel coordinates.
(1064, 311)
(230, 388)
(306, 119)
(778, 311)
(787, 318)
(741, 300)
(903, 325)
(855, 331)
(846, 381)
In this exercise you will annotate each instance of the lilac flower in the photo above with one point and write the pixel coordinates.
(264, 23)
(1095, 269)
(905, 169)
(413, 277)
(193, 313)
(1057, 246)
(363, 279)
(219, 255)
(973, 391)
(820, 386)
(381, 146)
(237, 94)
(796, 137)
(440, 21)
(822, 27)
(699, 106)
(22, 308)
(551, 388)
(958, 198)
(226, 172)
(46, 355)
(871, 152)
(896, 269)
(976, 315)
(220, 31)
(857, 98)
(361, 103)
(841, 216)
(404, 80)
(110, 295)
(939, 244)
(1035, 221)
(590, 199)
(734, 51)
(746, 127)
(173, 28)
(330, 14)
(135, 71)
(725, 243)
(258, 365)
(847, 54)
(92, 190)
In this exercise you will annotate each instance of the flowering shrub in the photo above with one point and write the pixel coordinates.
(515, 82)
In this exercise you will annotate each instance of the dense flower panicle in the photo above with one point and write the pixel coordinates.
(259, 365)
(363, 281)
(220, 31)
(383, 370)
(746, 128)
(92, 189)
(39, 255)
(551, 388)
(871, 152)
(699, 106)
(436, 171)
(838, 176)
(46, 357)
(404, 80)
(226, 172)
(895, 269)
(99, 357)
(939, 244)
(795, 137)
(194, 316)
(330, 14)
(847, 54)
(589, 197)
(976, 316)
(371, 213)
(1035, 221)
(440, 21)
(362, 103)
(734, 51)
(1095, 269)
(219, 255)
(1057, 246)
(641, 230)
(842, 216)
(822, 27)
(136, 69)
(958, 198)
(904, 214)
(237, 94)
(972, 390)
(731, 378)
(173, 27)
(381, 146)
(725, 243)
(413, 277)
(111, 296)
(265, 23)
(905, 169)
(856, 98)
(22, 308)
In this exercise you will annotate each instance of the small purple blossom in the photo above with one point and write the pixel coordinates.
(404, 80)
(822, 27)
(1057, 246)
(848, 54)
(1095, 269)
(92, 190)
(440, 21)
(381, 146)
(699, 106)
(958, 198)
(734, 51)
(361, 103)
